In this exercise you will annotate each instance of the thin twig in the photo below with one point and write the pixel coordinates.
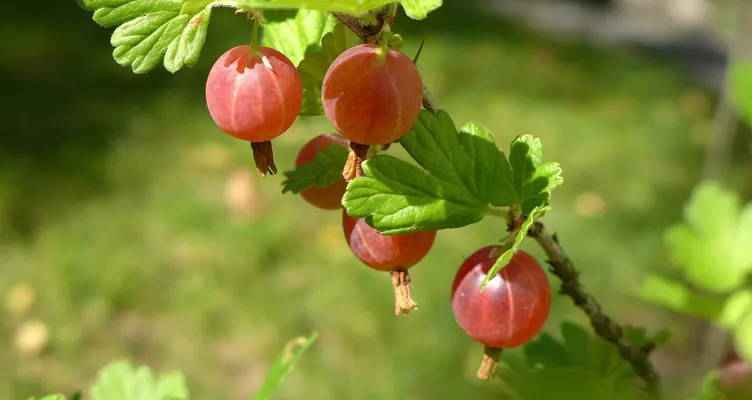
(563, 267)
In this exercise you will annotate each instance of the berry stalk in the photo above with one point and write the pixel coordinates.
(403, 299)
(489, 363)
(263, 156)
(354, 165)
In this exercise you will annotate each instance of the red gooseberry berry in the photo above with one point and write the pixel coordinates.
(395, 254)
(510, 310)
(254, 95)
(382, 252)
(372, 94)
(329, 197)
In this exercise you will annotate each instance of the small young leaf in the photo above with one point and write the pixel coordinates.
(150, 31)
(515, 242)
(712, 245)
(284, 365)
(295, 36)
(678, 297)
(317, 61)
(122, 381)
(324, 170)
(532, 179)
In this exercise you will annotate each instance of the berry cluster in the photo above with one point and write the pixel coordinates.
(373, 94)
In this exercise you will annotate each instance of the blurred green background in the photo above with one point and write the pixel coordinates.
(130, 228)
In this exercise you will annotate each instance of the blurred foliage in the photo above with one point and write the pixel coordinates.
(284, 365)
(123, 381)
(577, 367)
(711, 388)
(740, 81)
(715, 228)
(130, 228)
(711, 248)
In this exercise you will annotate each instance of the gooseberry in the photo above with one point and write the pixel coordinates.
(372, 94)
(394, 254)
(329, 197)
(254, 95)
(509, 311)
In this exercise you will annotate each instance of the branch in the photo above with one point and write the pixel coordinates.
(563, 267)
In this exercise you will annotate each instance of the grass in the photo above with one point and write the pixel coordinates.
(144, 234)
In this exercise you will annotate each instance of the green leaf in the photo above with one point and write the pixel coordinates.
(317, 61)
(284, 365)
(712, 245)
(419, 9)
(51, 397)
(295, 36)
(577, 366)
(396, 197)
(490, 169)
(678, 297)
(533, 180)
(324, 170)
(152, 31)
(740, 78)
(514, 244)
(462, 173)
(122, 381)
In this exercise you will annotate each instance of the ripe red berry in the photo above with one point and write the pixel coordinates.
(511, 309)
(382, 252)
(254, 95)
(394, 254)
(372, 95)
(330, 197)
